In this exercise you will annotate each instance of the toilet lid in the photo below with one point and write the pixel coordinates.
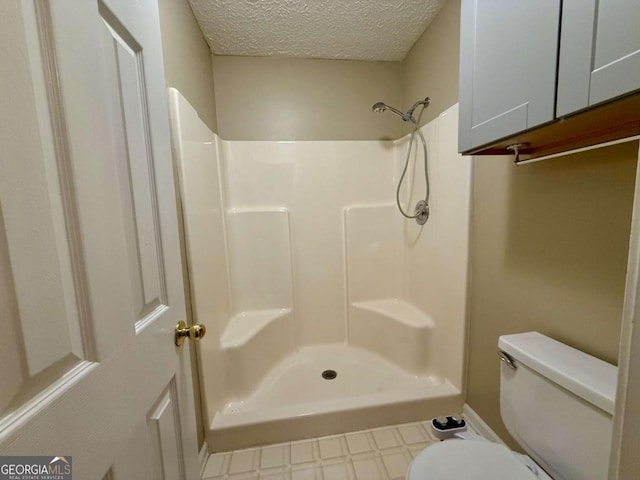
(468, 460)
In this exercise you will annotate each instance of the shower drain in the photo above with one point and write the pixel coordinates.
(329, 374)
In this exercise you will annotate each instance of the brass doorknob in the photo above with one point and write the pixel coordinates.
(194, 332)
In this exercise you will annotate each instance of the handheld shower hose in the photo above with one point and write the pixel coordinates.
(421, 210)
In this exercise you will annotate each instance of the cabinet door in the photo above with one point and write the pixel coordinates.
(508, 55)
(599, 52)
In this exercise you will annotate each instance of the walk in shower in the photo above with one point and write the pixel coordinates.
(327, 310)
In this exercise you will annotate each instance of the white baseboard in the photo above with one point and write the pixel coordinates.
(479, 425)
(203, 457)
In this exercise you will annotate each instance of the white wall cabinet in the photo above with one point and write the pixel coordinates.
(529, 63)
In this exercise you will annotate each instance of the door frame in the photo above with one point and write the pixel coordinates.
(625, 461)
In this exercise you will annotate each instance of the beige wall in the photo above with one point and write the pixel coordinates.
(549, 253)
(430, 69)
(277, 98)
(187, 60)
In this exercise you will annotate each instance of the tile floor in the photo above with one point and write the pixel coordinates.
(378, 454)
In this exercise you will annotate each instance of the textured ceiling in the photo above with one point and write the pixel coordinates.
(349, 29)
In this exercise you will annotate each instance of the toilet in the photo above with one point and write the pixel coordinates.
(557, 403)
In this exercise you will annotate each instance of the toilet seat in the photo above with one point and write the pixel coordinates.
(469, 460)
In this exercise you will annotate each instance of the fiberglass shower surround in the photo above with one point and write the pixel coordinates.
(293, 279)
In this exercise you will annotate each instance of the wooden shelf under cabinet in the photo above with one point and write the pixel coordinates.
(608, 122)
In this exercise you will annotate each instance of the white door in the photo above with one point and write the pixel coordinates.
(90, 272)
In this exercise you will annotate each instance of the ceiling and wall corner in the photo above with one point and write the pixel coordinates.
(289, 97)
(332, 29)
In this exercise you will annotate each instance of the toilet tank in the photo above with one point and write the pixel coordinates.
(558, 405)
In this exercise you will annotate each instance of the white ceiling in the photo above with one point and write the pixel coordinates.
(347, 29)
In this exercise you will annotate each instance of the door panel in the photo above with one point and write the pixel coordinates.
(91, 281)
(137, 172)
(164, 431)
(617, 29)
(19, 380)
(599, 53)
(507, 68)
(41, 317)
(10, 343)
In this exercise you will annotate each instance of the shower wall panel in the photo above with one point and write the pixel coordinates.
(438, 254)
(260, 259)
(375, 254)
(314, 181)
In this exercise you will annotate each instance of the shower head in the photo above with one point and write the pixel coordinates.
(381, 107)
(407, 117)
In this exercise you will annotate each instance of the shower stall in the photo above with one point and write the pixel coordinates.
(327, 310)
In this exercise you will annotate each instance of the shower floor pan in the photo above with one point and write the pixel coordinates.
(294, 401)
